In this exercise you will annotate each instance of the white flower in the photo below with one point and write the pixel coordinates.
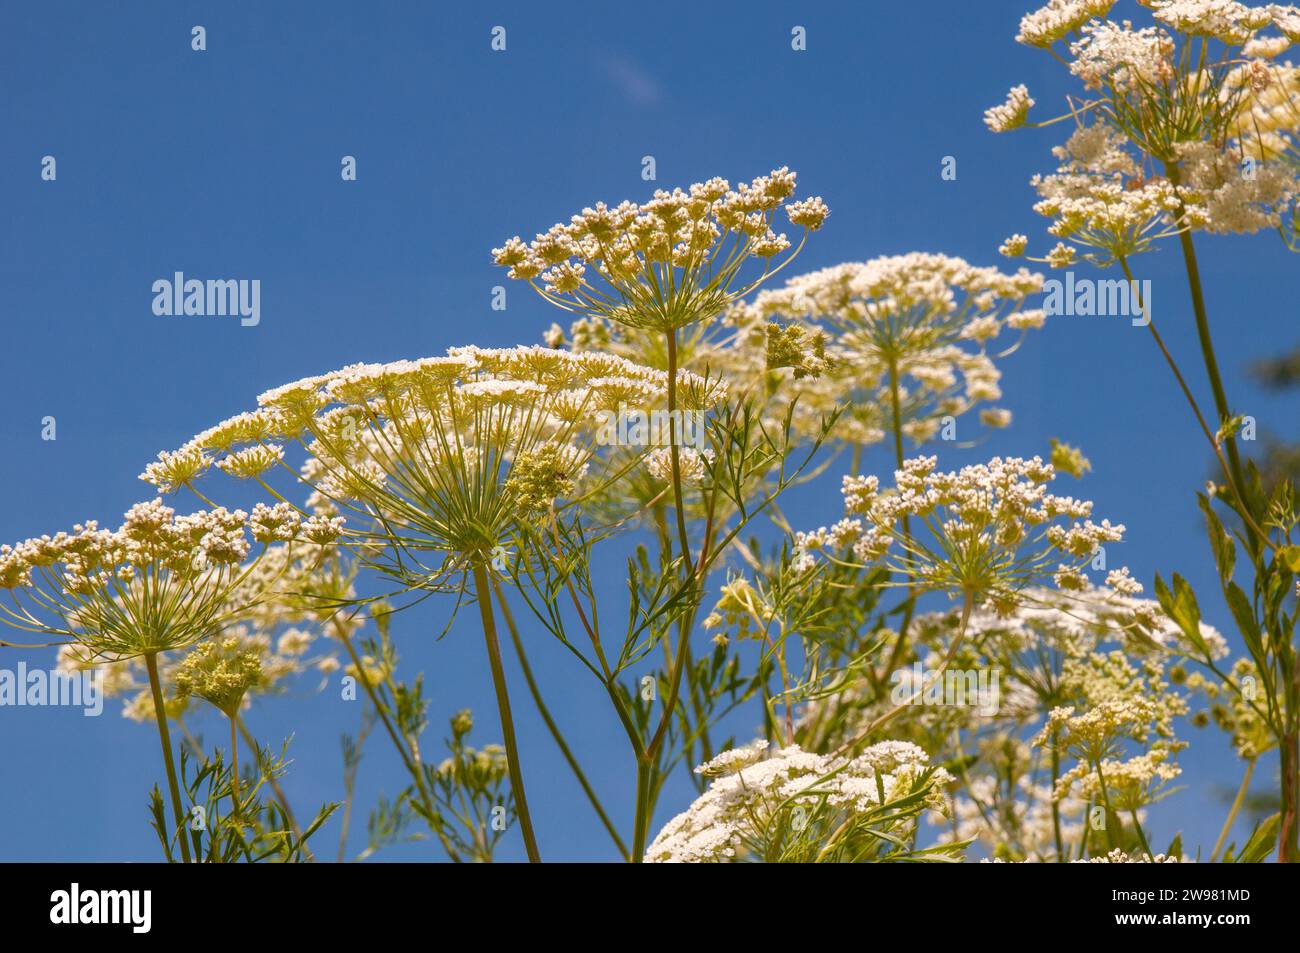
(1010, 114)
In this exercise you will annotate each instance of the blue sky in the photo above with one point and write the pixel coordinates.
(225, 163)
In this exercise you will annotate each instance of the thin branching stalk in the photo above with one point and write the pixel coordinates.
(551, 725)
(164, 736)
(277, 790)
(482, 590)
(1237, 802)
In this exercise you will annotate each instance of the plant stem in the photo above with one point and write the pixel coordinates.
(1236, 806)
(1193, 270)
(160, 716)
(276, 788)
(1288, 851)
(646, 762)
(550, 722)
(910, 606)
(1056, 806)
(1142, 837)
(484, 597)
(642, 820)
(234, 766)
(676, 462)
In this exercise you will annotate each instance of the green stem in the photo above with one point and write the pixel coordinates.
(276, 789)
(1288, 851)
(1193, 270)
(1056, 806)
(550, 722)
(685, 623)
(482, 591)
(910, 606)
(1236, 807)
(641, 823)
(676, 463)
(1142, 837)
(160, 716)
(234, 767)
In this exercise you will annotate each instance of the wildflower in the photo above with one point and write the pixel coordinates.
(794, 804)
(444, 457)
(692, 464)
(1014, 246)
(896, 338)
(1068, 459)
(798, 349)
(1158, 103)
(1058, 19)
(106, 589)
(220, 673)
(1012, 113)
(669, 262)
(995, 527)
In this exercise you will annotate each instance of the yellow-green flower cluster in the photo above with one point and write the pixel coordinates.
(442, 455)
(220, 672)
(160, 581)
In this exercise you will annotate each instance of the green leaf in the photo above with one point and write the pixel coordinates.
(1182, 608)
(1289, 556)
(1225, 550)
(1244, 615)
(1261, 841)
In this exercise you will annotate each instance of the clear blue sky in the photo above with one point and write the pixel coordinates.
(226, 163)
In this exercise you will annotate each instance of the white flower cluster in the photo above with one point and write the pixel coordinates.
(668, 262)
(1136, 172)
(1012, 113)
(915, 328)
(996, 529)
(354, 412)
(444, 453)
(751, 791)
(1124, 56)
(692, 464)
(151, 539)
(160, 581)
(1058, 19)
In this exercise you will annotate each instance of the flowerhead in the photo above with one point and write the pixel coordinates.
(220, 672)
(443, 459)
(160, 581)
(987, 530)
(792, 804)
(916, 329)
(1169, 136)
(669, 262)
